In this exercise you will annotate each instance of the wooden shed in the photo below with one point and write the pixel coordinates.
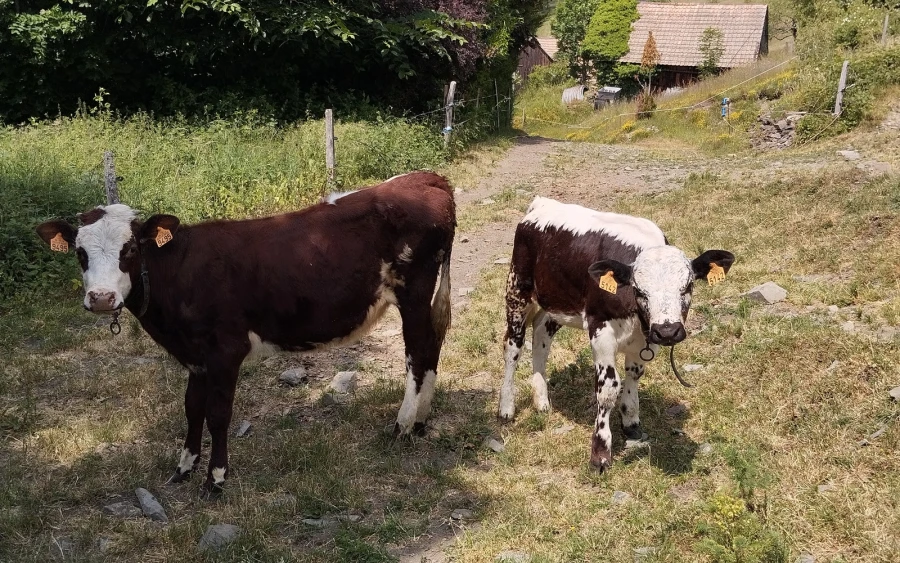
(536, 52)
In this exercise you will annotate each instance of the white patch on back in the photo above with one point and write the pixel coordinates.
(661, 273)
(332, 198)
(397, 176)
(103, 241)
(635, 231)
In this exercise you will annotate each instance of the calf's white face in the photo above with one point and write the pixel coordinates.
(663, 279)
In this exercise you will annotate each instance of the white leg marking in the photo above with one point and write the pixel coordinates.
(541, 339)
(218, 475)
(410, 407)
(603, 345)
(186, 462)
(508, 389)
(426, 394)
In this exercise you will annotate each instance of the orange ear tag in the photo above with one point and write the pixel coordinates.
(715, 275)
(162, 236)
(58, 244)
(608, 282)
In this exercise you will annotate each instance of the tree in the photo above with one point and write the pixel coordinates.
(569, 26)
(606, 39)
(712, 49)
(649, 60)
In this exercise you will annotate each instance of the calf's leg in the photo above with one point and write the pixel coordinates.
(543, 330)
(195, 410)
(634, 370)
(607, 387)
(518, 302)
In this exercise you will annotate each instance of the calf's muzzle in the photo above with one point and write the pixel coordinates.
(667, 333)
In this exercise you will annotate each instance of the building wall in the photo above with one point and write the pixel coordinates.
(529, 57)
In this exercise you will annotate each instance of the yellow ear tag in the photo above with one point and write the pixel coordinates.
(715, 275)
(608, 282)
(162, 236)
(58, 244)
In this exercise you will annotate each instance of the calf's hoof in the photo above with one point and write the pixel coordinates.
(419, 429)
(211, 491)
(600, 465)
(179, 477)
(633, 431)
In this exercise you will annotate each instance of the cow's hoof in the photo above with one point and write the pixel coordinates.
(633, 431)
(179, 477)
(506, 416)
(419, 429)
(403, 432)
(600, 465)
(211, 491)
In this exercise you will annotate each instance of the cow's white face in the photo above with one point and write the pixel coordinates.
(104, 248)
(663, 280)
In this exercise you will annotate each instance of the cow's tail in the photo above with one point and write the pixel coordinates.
(440, 303)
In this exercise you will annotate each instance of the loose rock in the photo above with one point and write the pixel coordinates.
(676, 410)
(344, 382)
(243, 429)
(848, 326)
(620, 497)
(566, 428)
(462, 514)
(805, 558)
(501, 261)
(641, 553)
(293, 376)
(487, 201)
(150, 506)
(464, 239)
(769, 292)
(878, 433)
(822, 489)
(895, 393)
(284, 499)
(705, 448)
(849, 155)
(688, 368)
(463, 291)
(639, 443)
(512, 557)
(103, 544)
(123, 509)
(494, 444)
(218, 536)
(833, 308)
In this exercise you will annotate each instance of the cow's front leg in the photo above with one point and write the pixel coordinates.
(629, 403)
(603, 346)
(195, 411)
(220, 388)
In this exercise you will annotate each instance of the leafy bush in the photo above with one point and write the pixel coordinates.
(555, 74)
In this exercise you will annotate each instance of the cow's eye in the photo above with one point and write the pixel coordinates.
(129, 252)
(82, 258)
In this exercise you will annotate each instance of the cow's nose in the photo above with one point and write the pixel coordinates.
(101, 302)
(667, 333)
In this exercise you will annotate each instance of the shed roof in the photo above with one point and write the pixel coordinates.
(548, 44)
(677, 29)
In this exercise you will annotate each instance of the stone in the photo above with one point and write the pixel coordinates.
(641, 553)
(243, 429)
(676, 410)
(463, 291)
(218, 536)
(833, 308)
(501, 261)
(464, 239)
(822, 489)
(293, 376)
(639, 443)
(620, 497)
(878, 433)
(805, 558)
(512, 557)
(849, 155)
(848, 327)
(123, 509)
(895, 393)
(104, 544)
(769, 292)
(488, 201)
(833, 366)
(782, 125)
(705, 448)
(150, 506)
(330, 398)
(283, 499)
(494, 444)
(462, 514)
(688, 368)
(344, 382)
(566, 428)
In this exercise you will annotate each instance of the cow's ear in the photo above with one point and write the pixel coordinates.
(610, 274)
(160, 229)
(712, 265)
(58, 234)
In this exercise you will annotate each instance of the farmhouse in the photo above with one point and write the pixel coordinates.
(678, 29)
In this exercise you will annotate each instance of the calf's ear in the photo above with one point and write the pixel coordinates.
(160, 228)
(58, 234)
(712, 265)
(610, 274)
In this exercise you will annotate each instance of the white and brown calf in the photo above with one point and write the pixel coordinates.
(614, 275)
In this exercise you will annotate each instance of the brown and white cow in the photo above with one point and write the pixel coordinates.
(563, 255)
(209, 293)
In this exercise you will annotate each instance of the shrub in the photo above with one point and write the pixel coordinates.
(555, 74)
(645, 105)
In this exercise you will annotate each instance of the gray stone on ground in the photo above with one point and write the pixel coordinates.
(688, 368)
(243, 429)
(822, 489)
(123, 509)
(330, 398)
(620, 497)
(284, 499)
(641, 553)
(833, 366)
(150, 506)
(293, 377)
(769, 292)
(462, 514)
(487, 201)
(463, 291)
(501, 261)
(494, 444)
(848, 326)
(344, 382)
(895, 393)
(639, 443)
(833, 308)
(512, 557)
(849, 155)
(566, 428)
(103, 544)
(218, 536)
(805, 558)
(464, 239)
(705, 448)
(877, 434)
(676, 409)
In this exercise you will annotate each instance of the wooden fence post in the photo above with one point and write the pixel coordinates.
(329, 146)
(448, 112)
(842, 84)
(523, 117)
(510, 103)
(884, 30)
(497, 105)
(109, 178)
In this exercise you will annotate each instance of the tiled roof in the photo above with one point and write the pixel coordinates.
(677, 29)
(548, 44)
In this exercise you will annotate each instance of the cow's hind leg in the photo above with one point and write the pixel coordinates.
(607, 387)
(543, 330)
(518, 304)
(195, 410)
